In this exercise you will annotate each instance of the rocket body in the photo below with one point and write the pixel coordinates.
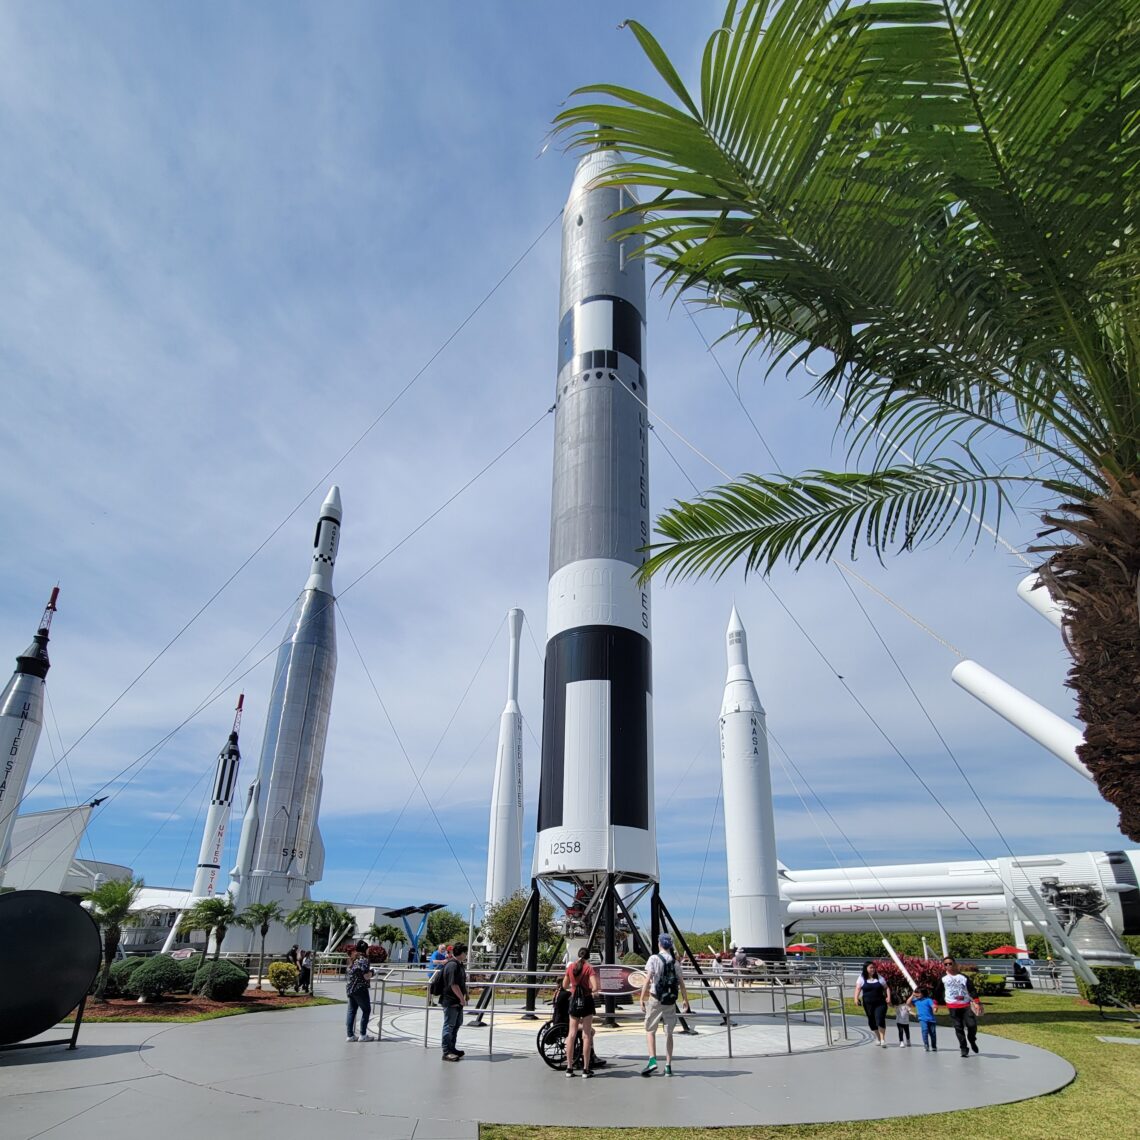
(217, 819)
(280, 854)
(755, 908)
(21, 719)
(504, 842)
(596, 813)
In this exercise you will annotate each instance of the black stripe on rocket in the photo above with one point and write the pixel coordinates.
(623, 658)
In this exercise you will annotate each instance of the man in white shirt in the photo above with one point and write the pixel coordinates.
(958, 994)
(663, 985)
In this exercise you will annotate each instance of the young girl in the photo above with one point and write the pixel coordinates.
(582, 983)
(923, 1005)
(902, 1020)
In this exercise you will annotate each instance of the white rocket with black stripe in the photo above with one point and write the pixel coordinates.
(218, 815)
(595, 811)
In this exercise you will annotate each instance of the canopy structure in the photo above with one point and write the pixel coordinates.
(799, 948)
(1005, 950)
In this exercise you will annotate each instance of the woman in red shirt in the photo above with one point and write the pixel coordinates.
(582, 982)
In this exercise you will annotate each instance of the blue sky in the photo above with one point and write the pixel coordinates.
(231, 235)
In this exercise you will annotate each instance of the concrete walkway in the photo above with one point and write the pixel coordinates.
(290, 1075)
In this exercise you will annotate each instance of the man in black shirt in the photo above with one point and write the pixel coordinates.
(453, 999)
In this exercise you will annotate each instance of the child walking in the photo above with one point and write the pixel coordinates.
(923, 1005)
(902, 1020)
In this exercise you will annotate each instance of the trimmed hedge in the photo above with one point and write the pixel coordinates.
(283, 976)
(156, 976)
(120, 976)
(221, 981)
(189, 968)
(990, 985)
(1118, 982)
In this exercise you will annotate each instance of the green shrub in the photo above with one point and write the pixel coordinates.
(632, 959)
(156, 976)
(121, 972)
(189, 967)
(283, 976)
(990, 985)
(1118, 982)
(221, 981)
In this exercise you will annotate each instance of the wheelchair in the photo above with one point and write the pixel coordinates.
(551, 1039)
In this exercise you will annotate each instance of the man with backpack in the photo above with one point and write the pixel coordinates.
(663, 985)
(450, 985)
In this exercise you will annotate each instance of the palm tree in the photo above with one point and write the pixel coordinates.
(387, 933)
(325, 916)
(110, 906)
(213, 915)
(259, 916)
(934, 201)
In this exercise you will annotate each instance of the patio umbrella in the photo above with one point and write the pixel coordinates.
(800, 948)
(1005, 950)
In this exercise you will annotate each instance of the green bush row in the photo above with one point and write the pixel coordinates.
(1119, 982)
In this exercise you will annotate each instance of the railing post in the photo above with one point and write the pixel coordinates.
(380, 1015)
(843, 1009)
(491, 1030)
(427, 1013)
(787, 1020)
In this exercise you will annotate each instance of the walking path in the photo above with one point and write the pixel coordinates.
(288, 1075)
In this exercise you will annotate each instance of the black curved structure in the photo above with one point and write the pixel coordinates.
(49, 955)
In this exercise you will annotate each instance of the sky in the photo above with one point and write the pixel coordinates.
(252, 250)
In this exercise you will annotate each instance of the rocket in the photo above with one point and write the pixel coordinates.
(755, 908)
(280, 853)
(21, 718)
(218, 815)
(595, 812)
(504, 843)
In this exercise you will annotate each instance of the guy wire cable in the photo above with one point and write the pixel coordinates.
(708, 848)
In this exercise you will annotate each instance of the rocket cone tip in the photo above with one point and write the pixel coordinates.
(734, 622)
(332, 500)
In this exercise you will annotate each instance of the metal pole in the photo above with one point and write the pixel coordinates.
(610, 945)
(532, 952)
(427, 1013)
(491, 1031)
(728, 1022)
(380, 1015)
(787, 1020)
(471, 930)
(825, 1000)
(843, 1008)
(942, 932)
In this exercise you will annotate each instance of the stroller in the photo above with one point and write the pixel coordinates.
(552, 1036)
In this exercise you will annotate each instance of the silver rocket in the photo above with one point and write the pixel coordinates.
(280, 853)
(21, 718)
(596, 813)
(218, 815)
(755, 908)
(504, 842)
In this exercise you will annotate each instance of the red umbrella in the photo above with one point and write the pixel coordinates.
(800, 948)
(1005, 950)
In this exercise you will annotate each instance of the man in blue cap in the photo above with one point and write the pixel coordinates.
(663, 986)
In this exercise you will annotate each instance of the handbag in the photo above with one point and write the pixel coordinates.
(977, 1008)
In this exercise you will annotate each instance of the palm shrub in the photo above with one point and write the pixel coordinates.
(259, 917)
(214, 915)
(324, 917)
(156, 976)
(283, 976)
(110, 904)
(935, 201)
(221, 981)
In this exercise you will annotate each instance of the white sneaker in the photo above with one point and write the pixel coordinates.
(902, 1044)
(350, 1037)
(367, 1037)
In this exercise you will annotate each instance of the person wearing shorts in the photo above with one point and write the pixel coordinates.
(659, 1012)
(582, 983)
(874, 995)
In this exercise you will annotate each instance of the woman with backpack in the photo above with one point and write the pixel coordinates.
(582, 982)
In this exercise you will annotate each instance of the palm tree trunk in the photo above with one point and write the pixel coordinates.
(110, 946)
(1095, 578)
(261, 959)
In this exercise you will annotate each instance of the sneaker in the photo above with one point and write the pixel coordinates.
(350, 1037)
(965, 1052)
(650, 1067)
(926, 1048)
(974, 1046)
(902, 1044)
(570, 1072)
(587, 1072)
(367, 1037)
(934, 1048)
(907, 1043)
(668, 1070)
(460, 1052)
(451, 1057)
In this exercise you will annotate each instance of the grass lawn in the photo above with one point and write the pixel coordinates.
(1104, 1100)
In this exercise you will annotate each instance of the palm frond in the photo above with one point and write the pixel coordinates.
(766, 519)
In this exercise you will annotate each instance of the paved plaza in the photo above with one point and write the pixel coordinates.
(290, 1075)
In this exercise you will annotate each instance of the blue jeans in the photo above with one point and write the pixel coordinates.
(359, 1001)
(929, 1034)
(452, 1020)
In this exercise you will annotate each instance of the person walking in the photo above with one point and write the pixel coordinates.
(874, 995)
(305, 977)
(958, 994)
(902, 1022)
(356, 980)
(923, 1005)
(663, 985)
(453, 999)
(582, 982)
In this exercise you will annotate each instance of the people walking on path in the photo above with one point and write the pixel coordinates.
(453, 999)
(663, 985)
(902, 1022)
(874, 995)
(356, 982)
(305, 977)
(923, 1005)
(582, 982)
(959, 996)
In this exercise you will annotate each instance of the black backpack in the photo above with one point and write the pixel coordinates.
(436, 987)
(667, 987)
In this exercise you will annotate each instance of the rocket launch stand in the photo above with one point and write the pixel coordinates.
(602, 910)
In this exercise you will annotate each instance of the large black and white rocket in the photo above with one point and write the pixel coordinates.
(595, 811)
(280, 853)
(21, 718)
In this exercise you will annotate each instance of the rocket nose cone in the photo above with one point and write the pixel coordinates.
(331, 505)
(734, 622)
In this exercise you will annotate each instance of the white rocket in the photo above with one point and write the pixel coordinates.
(280, 853)
(21, 718)
(218, 815)
(755, 909)
(595, 809)
(504, 843)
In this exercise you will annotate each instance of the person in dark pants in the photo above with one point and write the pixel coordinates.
(874, 995)
(958, 993)
(305, 978)
(356, 986)
(453, 999)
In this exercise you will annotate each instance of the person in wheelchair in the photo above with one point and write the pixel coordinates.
(552, 1036)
